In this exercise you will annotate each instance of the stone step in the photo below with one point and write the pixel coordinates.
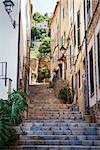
(56, 109)
(62, 123)
(61, 127)
(59, 142)
(59, 137)
(50, 104)
(62, 132)
(53, 147)
(56, 118)
(55, 121)
(88, 130)
(57, 112)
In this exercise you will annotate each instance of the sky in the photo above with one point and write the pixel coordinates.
(44, 6)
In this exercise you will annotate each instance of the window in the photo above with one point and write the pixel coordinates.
(65, 67)
(72, 82)
(78, 29)
(60, 67)
(91, 71)
(72, 87)
(62, 40)
(74, 35)
(64, 36)
(70, 56)
(53, 60)
(76, 89)
(98, 51)
(79, 83)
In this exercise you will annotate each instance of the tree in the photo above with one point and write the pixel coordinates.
(47, 18)
(38, 17)
(35, 33)
(44, 48)
(45, 71)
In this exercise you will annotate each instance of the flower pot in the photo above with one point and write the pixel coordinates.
(62, 101)
(88, 118)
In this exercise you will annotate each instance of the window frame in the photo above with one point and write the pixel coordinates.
(78, 30)
(79, 79)
(91, 66)
(98, 54)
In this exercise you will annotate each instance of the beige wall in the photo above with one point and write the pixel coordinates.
(55, 31)
(78, 54)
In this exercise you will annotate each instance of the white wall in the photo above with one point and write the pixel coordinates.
(97, 30)
(9, 44)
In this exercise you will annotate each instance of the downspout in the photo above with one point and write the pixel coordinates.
(18, 61)
(86, 64)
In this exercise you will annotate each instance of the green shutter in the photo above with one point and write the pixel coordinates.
(63, 13)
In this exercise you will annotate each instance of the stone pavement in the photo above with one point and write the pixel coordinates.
(54, 126)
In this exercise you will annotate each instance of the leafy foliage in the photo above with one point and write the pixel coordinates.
(44, 72)
(41, 34)
(35, 33)
(66, 93)
(17, 106)
(44, 48)
(40, 18)
(11, 114)
(38, 34)
(5, 123)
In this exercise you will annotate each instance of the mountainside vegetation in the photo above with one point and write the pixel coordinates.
(37, 17)
(41, 35)
(41, 41)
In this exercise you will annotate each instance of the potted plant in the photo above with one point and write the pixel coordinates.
(65, 94)
(88, 116)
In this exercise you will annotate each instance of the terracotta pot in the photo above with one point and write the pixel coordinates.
(88, 118)
(62, 101)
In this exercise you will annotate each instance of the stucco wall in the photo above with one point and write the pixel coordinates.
(9, 44)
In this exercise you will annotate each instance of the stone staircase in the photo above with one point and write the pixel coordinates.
(54, 126)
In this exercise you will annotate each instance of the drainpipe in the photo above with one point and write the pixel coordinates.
(86, 63)
(18, 61)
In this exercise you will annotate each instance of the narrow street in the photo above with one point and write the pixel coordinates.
(49, 74)
(51, 125)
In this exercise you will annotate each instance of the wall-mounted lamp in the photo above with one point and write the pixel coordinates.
(63, 49)
(9, 7)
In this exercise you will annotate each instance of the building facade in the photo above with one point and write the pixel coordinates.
(93, 49)
(55, 38)
(79, 47)
(14, 47)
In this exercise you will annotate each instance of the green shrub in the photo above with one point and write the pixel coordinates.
(66, 93)
(11, 113)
